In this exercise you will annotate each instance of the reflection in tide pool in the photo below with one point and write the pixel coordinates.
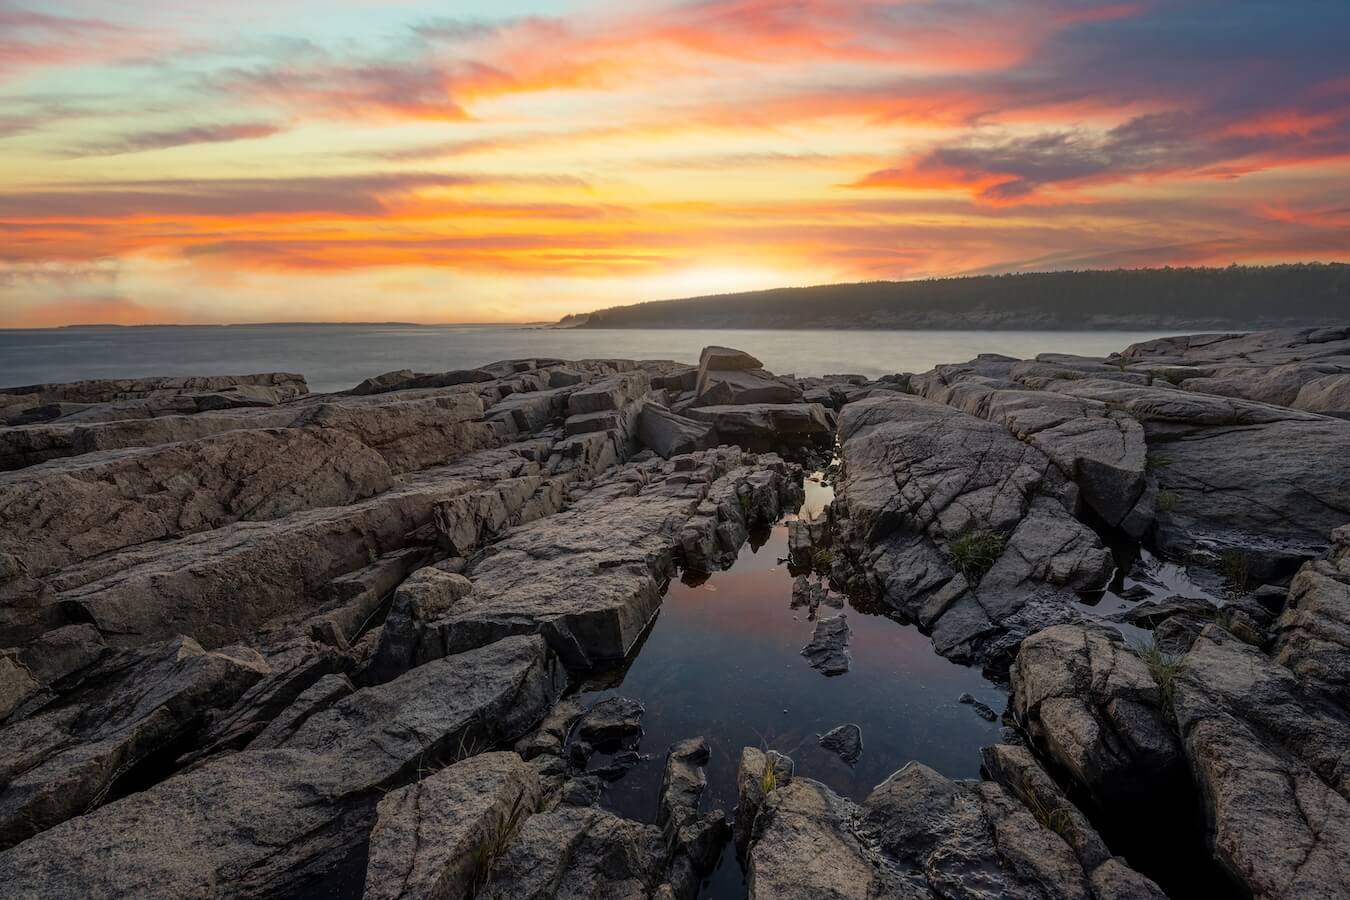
(722, 660)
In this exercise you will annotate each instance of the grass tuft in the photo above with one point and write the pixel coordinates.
(1163, 667)
(486, 854)
(974, 553)
(1236, 569)
(1058, 818)
(1167, 501)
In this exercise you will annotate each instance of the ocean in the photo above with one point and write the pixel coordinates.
(336, 357)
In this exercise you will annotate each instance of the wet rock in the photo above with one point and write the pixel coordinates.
(965, 529)
(436, 837)
(844, 741)
(280, 822)
(827, 650)
(550, 735)
(670, 434)
(1092, 706)
(983, 710)
(611, 720)
(1313, 632)
(62, 760)
(696, 842)
(575, 852)
(1151, 613)
(1270, 760)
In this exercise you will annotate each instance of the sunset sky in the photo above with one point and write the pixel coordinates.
(513, 160)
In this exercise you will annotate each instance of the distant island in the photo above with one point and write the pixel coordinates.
(1236, 297)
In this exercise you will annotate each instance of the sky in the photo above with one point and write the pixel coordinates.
(518, 160)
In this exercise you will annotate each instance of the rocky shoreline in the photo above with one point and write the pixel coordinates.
(261, 642)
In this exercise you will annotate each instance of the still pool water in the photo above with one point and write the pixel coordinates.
(723, 660)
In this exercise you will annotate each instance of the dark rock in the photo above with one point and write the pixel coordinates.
(827, 650)
(844, 741)
(611, 720)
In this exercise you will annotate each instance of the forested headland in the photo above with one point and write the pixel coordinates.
(1236, 297)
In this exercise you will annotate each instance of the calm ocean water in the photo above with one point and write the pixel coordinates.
(335, 357)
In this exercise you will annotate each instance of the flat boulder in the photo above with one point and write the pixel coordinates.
(1313, 632)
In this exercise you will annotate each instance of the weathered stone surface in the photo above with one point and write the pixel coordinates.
(71, 510)
(63, 759)
(969, 838)
(723, 387)
(1237, 473)
(763, 426)
(588, 578)
(725, 359)
(696, 842)
(922, 835)
(410, 434)
(432, 837)
(218, 585)
(108, 390)
(670, 434)
(808, 845)
(1313, 632)
(827, 651)
(576, 852)
(1090, 704)
(1262, 348)
(1328, 395)
(844, 741)
(612, 393)
(1103, 451)
(283, 822)
(1273, 765)
(931, 500)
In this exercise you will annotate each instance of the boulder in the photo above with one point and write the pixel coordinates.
(725, 359)
(827, 651)
(434, 839)
(219, 585)
(1313, 633)
(758, 774)
(1092, 707)
(1236, 474)
(1328, 395)
(670, 434)
(743, 386)
(575, 852)
(765, 426)
(844, 741)
(1272, 764)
